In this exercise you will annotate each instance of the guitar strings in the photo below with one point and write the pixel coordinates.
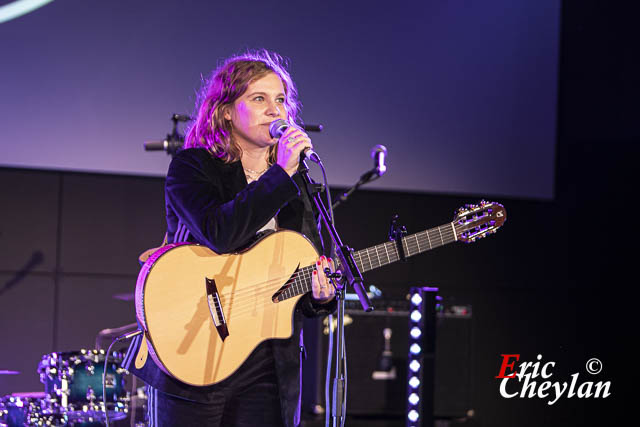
(410, 242)
(302, 272)
(305, 275)
(299, 286)
(246, 307)
(391, 257)
(256, 304)
(301, 281)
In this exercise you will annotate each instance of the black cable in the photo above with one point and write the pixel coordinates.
(346, 380)
(327, 377)
(104, 371)
(326, 187)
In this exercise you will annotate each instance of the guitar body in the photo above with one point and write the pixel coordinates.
(204, 313)
(173, 307)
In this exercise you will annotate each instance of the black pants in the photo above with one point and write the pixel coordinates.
(250, 398)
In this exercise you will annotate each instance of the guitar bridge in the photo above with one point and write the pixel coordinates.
(215, 308)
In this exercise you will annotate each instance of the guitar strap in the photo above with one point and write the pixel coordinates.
(144, 256)
(143, 353)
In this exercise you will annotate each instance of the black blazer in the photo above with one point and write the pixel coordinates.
(209, 202)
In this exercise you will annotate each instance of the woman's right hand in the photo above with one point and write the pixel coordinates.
(290, 145)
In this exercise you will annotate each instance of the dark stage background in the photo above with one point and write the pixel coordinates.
(556, 280)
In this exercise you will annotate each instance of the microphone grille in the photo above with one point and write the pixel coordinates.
(277, 128)
(378, 149)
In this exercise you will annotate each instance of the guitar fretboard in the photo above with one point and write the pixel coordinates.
(379, 255)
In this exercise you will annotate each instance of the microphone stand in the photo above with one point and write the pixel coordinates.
(367, 177)
(175, 141)
(353, 277)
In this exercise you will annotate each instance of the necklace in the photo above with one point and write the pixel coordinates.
(251, 171)
(253, 175)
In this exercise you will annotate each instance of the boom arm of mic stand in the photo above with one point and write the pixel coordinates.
(365, 178)
(352, 273)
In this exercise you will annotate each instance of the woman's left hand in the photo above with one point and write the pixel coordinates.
(322, 289)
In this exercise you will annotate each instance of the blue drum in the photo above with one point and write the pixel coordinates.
(73, 385)
(28, 409)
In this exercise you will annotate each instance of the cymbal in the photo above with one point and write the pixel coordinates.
(32, 394)
(124, 297)
(5, 372)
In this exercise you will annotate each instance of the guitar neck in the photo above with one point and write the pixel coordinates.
(382, 254)
(413, 244)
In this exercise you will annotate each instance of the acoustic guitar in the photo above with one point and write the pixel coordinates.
(203, 313)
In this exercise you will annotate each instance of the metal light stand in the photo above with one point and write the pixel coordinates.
(353, 277)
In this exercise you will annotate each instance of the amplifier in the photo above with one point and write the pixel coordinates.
(377, 381)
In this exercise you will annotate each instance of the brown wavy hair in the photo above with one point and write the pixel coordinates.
(228, 83)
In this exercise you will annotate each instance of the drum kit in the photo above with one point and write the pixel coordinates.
(73, 393)
(73, 385)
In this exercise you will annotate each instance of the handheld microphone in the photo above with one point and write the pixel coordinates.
(278, 127)
(378, 154)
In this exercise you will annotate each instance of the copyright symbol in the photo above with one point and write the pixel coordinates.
(594, 366)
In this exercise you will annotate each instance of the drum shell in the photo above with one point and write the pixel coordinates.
(20, 409)
(73, 383)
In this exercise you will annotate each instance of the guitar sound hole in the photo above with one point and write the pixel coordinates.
(280, 293)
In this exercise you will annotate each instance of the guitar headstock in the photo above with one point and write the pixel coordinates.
(476, 221)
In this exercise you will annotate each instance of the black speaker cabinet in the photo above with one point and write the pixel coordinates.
(453, 379)
(376, 387)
